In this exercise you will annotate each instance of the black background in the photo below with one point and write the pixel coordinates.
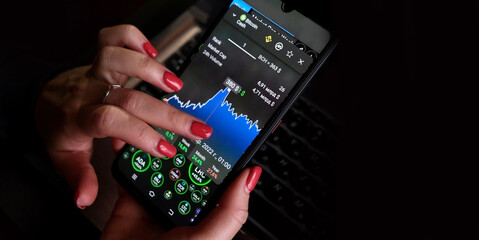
(409, 168)
(405, 73)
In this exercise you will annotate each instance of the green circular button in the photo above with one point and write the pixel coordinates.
(179, 160)
(168, 194)
(156, 164)
(184, 207)
(157, 179)
(197, 175)
(141, 161)
(181, 186)
(196, 196)
(205, 190)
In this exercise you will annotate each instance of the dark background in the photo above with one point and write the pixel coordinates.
(404, 75)
(410, 165)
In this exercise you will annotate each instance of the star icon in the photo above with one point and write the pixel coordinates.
(289, 54)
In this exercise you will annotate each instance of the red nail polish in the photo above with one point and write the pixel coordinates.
(253, 177)
(172, 81)
(201, 130)
(166, 148)
(150, 50)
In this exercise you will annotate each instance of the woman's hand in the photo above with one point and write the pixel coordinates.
(130, 221)
(74, 108)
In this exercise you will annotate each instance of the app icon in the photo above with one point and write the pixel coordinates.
(179, 160)
(156, 164)
(196, 196)
(278, 46)
(289, 54)
(141, 161)
(157, 179)
(151, 193)
(134, 176)
(184, 207)
(181, 186)
(268, 39)
(174, 174)
(167, 194)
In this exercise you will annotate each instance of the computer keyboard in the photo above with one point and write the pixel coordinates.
(294, 198)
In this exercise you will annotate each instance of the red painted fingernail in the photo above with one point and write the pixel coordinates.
(201, 130)
(253, 177)
(172, 81)
(166, 148)
(150, 50)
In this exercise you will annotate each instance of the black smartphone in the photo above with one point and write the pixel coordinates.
(247, 71)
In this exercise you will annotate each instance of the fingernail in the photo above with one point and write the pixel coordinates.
(150, 50)
(253, 177)
(172, 81)
(166, 148)
(77, 201)
(201, 130)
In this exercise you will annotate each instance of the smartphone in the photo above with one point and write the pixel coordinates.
(246, 72)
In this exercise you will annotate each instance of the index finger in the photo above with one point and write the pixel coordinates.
(126, 35)
(113, 64)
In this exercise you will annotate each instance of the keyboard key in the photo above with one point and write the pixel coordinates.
(297, 123)
(298, 209)
(174, 63)
(189, 46)
(318, 165)
(279, 135)
(276, 192)
(317, 116)
(263, 212)
(302, 182)
(264, 155)
(321, 140)
(322, 197)
(283, 168)
(290, 144)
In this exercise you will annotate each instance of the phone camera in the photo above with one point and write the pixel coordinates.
(301, 46)
(312, 54)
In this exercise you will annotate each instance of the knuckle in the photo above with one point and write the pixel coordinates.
(106, 54)
(102, 119)
(144, 63)
(103, 32)
(173, 117)
(105, 68)
(129, 29)
(143, 133)
(176, 120)
(104, 57)
(241, 216)
(131, 101)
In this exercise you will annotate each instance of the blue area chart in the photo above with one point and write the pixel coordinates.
(232, 132)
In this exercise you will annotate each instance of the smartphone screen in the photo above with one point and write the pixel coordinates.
(244, 71)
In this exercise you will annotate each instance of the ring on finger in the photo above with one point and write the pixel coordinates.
(113, 86)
